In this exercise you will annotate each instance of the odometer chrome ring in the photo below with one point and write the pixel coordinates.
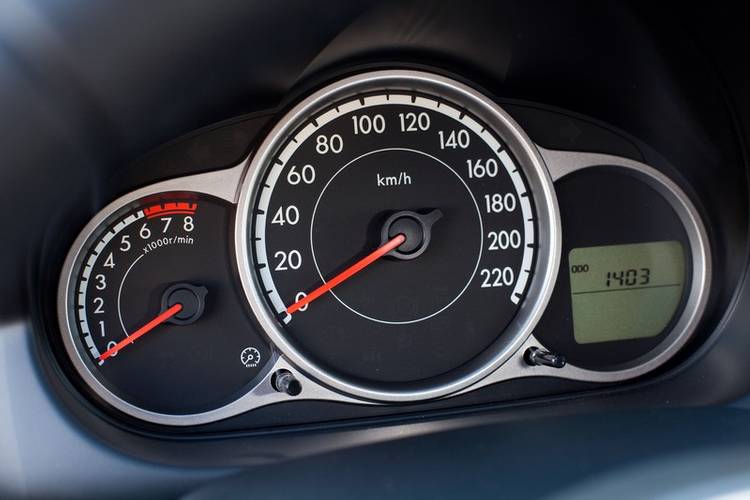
(546, 234)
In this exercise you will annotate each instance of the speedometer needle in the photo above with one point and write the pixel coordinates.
(347, 273)
(161, 318)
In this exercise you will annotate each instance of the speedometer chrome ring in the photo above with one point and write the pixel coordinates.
(397, 363)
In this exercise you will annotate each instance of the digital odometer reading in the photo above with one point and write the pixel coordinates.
(625, 291)
(393, 236)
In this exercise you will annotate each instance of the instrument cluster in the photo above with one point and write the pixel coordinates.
(396, 237)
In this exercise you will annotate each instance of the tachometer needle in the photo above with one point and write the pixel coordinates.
(347, 273)
(161, 318)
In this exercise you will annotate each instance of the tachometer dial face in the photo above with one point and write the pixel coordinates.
(394, 226)
(154, 323)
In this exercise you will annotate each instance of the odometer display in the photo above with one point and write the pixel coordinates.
(340, 183)
(629, 291)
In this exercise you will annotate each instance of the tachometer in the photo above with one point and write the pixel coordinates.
(149, 313)
(397, 235)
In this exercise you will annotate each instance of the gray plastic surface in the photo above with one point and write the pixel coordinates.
(44, 454)
(672, 453)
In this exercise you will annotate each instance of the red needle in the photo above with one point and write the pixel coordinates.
(161, 318)
(347, 273)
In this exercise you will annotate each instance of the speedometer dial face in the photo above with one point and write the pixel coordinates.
(398, 234)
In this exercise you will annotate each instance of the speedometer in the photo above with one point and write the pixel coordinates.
(397, 235)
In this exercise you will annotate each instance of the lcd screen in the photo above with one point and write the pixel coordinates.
(624, 292)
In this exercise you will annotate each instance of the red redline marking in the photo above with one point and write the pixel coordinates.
(161, 318)
(347, 273)
(174, 212)
(178, 207)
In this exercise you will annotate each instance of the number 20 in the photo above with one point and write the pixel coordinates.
(288, 260)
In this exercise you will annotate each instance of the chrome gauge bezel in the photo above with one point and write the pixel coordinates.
(221, 184)
(561, 164)
(526, 154)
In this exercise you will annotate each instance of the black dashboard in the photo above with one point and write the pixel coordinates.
(237, 242)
